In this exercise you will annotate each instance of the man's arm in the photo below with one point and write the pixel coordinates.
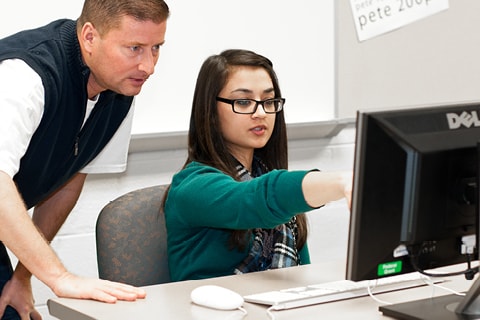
(50, 214)
(20, 235)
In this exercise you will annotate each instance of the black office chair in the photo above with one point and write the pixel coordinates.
(131, 239)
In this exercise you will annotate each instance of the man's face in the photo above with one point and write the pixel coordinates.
(122, 59)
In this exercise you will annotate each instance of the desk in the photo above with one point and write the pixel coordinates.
(172, 300)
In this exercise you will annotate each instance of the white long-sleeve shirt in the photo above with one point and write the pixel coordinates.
(21, 110)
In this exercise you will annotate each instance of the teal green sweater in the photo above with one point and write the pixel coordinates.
(203, 203)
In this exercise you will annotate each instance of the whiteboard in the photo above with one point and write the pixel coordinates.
(298, 37)
(435, 60)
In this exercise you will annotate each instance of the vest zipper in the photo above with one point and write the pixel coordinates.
(75, 148)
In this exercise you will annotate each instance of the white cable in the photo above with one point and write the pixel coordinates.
(446, 289)
(433, 285)
(270, 313)
(372, 295)
(427, 281)
(243, 310)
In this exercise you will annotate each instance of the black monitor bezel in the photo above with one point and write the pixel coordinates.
(393, 130)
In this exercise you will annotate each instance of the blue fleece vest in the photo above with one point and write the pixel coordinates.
(60, 147)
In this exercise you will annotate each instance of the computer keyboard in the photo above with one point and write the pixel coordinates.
(336, 290)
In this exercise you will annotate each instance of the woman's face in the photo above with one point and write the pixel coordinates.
(244, 133)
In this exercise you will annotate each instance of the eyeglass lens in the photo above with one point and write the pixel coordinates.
(250, 106)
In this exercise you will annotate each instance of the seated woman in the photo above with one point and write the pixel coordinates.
(234, 207)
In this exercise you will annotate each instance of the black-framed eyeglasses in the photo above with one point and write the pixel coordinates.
(249, 106)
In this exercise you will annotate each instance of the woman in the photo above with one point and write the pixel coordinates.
(234, 207)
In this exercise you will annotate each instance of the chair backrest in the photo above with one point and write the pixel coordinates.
(131, 238)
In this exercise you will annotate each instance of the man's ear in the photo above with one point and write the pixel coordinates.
(87, 36)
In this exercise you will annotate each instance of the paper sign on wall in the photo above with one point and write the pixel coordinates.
(375, 17)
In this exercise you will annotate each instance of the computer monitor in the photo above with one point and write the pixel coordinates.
(415, 195)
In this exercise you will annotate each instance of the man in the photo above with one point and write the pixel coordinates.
(66, 93)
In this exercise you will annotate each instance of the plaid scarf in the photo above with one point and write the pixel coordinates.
(271, 248)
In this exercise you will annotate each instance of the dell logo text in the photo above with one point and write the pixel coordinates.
(467, 119)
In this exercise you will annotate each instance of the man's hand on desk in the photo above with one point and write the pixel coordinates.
(71, 286)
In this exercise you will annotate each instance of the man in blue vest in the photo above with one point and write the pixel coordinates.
(66, 94)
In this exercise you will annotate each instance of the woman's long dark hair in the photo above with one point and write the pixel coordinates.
(205, 140)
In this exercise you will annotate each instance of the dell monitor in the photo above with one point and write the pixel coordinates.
(415, 195)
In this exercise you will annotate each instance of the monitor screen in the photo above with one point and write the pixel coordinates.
(414, 202)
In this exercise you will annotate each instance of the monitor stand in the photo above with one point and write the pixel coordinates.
(437, 308)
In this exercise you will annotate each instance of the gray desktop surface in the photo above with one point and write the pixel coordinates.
(172, 300)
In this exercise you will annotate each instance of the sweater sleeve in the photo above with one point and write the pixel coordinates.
(304, 254)
(202, 196)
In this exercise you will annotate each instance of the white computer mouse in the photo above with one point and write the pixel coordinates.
(216, 297)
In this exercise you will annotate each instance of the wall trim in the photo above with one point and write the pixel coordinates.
(178, 140)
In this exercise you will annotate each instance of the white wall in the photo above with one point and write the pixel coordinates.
(429, 62)
(298, 38)
(75, 243)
